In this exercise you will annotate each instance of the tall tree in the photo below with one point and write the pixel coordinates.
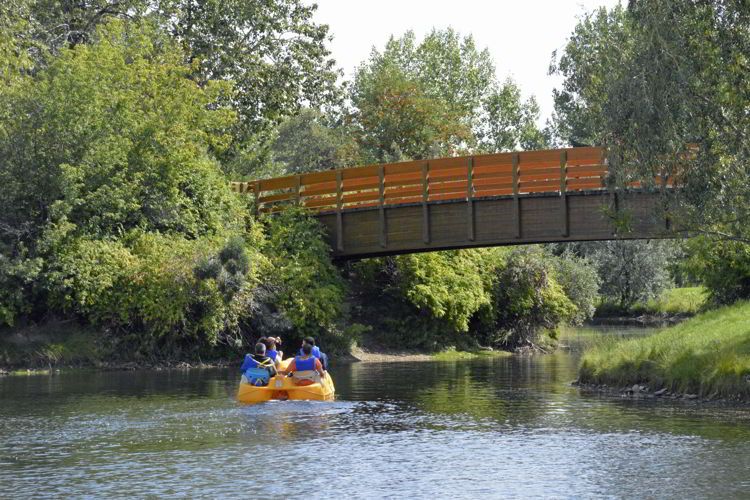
(649, 80)
(437, 98)
(272, 51)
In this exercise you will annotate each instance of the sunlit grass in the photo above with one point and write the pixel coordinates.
(688, 300)
(452, 355)
(708, 355)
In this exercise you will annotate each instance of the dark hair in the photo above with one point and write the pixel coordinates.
(270, 342)
(307, 349)
(309, 340)
(260, 348)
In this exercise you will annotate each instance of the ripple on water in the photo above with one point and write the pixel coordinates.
(510, 428)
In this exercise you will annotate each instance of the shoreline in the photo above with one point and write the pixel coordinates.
(643, 392)
(357, 355)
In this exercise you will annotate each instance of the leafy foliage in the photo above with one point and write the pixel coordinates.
(526, 298)
(437, 98)
(306, 143)
(723, 267)
(306, 284)
(651, 79)
(632, 271)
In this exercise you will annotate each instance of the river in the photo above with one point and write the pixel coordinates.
(492, 428)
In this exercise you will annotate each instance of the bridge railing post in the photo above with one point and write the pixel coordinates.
(516, 201)
(469, 198)
(339, 208)
(381, 206)
(256, 197)
(425, 199)
(563, 190)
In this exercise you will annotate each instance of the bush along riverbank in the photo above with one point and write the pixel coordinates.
(707, 356)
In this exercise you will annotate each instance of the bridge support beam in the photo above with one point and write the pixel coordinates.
(493, 218)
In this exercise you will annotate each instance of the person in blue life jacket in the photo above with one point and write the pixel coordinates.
(258, 369)
(323, 357)
(306, 363)
(271, 350)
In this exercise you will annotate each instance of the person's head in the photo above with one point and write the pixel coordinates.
(308, 340)
(260, 348)
(306, 349)
(270, 343)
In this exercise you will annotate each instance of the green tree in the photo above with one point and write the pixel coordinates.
(525, 300)
(647, 81)
(633, 271)
(722, 266)
(437, 98)
(307, 142)
(273, 52)
(109, 141)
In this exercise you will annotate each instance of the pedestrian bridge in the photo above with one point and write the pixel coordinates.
(464, 202)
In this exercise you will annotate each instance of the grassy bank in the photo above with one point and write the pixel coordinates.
(685, 301)
(707, 355)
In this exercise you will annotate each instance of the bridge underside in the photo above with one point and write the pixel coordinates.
(492, 221)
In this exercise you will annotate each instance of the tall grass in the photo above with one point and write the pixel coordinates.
(688, 300)
(707, 355)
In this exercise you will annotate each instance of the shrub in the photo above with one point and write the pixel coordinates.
(525, 300)
(722, 266)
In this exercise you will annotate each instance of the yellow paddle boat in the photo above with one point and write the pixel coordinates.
(282, 387)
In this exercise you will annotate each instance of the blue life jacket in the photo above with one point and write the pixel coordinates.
(315, 351)
(305, 364)
(272, 353)
(256, 372)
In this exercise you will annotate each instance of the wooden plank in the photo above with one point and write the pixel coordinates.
(359, 172)
(277, 183)
(516, 202)
(381, 199)
(256, 197)
(278, 197)
(469, 199)
(585, 156)
(361, 183)
(339, 215)
(328, 188)
(319, 177)
(297, 189)
(538, 186)
(391, 194)
(563, 196)
(492, 183)
(364, 196)
(425, 207)
(495, 192)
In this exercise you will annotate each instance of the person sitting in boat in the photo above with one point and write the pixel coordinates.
(271, 351)
(306, 369)
(258, 369)
(315, 351)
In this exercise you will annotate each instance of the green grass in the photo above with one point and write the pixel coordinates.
(688, 300)
(50, 345)
(453, 355)
(708, 354)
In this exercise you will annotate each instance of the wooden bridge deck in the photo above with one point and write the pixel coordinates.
(461, 202)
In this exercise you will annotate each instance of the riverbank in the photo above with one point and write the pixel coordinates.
(707, 356)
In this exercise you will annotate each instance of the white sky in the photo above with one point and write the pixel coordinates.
(520, 34)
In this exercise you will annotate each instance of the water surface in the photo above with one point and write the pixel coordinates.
(496, 428)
